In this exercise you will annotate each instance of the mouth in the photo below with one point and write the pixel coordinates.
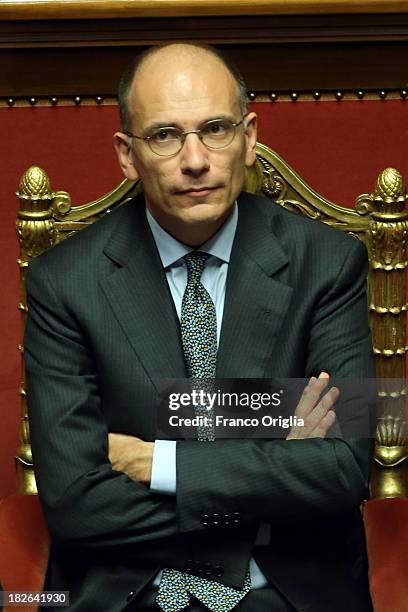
(197, 192)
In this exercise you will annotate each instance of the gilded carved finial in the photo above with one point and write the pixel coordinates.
(35, 225)
(387, 202)
(390, 186)
(35, 185)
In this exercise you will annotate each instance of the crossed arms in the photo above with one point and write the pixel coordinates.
(84, 477)
(134, 456)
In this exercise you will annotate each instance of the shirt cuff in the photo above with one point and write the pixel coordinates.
(163, 478)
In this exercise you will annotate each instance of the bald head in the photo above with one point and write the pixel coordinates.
(160, 61)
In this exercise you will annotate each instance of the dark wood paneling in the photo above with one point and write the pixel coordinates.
(275, 52)
(96, 70)
(249, 29)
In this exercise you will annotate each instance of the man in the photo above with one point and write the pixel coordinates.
(144, 524)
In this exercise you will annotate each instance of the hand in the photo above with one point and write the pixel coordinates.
(132, 456)
(315, 412)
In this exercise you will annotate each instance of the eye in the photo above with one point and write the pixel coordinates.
(216, 128)
(161, 135)
(164, 135)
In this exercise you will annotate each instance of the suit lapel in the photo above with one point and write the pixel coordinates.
(256, 300)
(140, 298)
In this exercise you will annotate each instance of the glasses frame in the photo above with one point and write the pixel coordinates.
(183, 136)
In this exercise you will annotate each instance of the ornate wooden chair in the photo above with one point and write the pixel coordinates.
(380, 220)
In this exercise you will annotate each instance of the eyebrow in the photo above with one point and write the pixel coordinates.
(162, 124)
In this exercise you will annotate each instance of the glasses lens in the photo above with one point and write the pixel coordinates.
(218, 133)
(165, 141)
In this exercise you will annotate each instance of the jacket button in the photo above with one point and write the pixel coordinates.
(236, 517)
(130, 595)
(208, 569)
(189, 565)
(227, 520)
(218, 570)
(205, 520)
(216, 519)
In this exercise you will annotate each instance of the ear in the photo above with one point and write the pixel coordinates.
(251, 134)
(125, 155)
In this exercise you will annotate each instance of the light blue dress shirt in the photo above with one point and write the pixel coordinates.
(214, 279)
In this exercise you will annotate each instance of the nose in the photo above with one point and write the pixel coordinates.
(194, 156)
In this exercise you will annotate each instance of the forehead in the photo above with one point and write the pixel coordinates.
(182, 87)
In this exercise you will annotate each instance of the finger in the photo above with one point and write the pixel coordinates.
(325, 424)
(329, 398)
(310, 396)
(312, 421)
(322, 407)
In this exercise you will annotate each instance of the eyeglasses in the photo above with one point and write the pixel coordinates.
(214, 134)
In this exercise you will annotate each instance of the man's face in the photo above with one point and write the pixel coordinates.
(196, 186)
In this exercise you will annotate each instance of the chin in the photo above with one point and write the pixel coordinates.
(203, 213)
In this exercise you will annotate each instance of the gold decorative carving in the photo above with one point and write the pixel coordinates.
(390, 310)
(35, 227)
(391, 452)
(87, 213)
(364, 204)
(391, 433)
(61, 203)
(389, 242)
(390, 186)
(280, 182)
(387, 199)
(35, 185)
(393, 394)
(37, 236)
(44, 218)
(390, 352)
(273, 184)
(36, 232)
(377, 265)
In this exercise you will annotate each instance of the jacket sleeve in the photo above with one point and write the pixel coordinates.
(86, 503)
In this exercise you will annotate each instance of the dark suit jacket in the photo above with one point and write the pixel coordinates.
(102, 329)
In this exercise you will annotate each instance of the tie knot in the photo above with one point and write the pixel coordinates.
(195, 262)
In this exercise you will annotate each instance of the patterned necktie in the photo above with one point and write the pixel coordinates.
(199, 338)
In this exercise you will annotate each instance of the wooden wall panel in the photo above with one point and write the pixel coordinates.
(276, 52)
(266, 68)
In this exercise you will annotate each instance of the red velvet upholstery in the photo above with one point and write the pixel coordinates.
(386, 525)
(24, 545)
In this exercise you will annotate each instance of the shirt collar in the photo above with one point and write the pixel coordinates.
(171, 250)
